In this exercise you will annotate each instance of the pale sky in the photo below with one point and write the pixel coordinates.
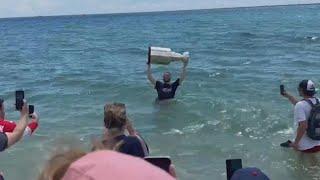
(20, 8)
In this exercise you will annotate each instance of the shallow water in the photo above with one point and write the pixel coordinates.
(228, 107)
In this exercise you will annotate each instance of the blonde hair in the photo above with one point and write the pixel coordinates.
(59, 163)
(115, 120)
(115, 116)
(107, 144)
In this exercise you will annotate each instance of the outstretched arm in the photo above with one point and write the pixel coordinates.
(184, 71)
(150, 77)
(290, 97)
(18, 131)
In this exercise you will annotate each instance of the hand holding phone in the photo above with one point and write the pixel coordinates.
(232, 165)
(161, 162)
(25, 109)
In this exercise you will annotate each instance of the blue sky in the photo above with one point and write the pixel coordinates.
(18, 8)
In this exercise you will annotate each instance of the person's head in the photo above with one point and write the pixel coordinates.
(111, 165)
(306, 88)
(250, 173)
(115, 117)
(167, 77)
(59, 163)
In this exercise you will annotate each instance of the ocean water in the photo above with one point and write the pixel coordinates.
(228, 107)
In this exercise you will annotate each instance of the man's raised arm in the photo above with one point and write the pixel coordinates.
(184, 71)
(150, 77)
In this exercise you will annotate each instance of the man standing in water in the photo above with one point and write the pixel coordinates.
(302, 112)
(166, 89)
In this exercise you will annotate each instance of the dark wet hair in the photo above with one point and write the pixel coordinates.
(1, 102)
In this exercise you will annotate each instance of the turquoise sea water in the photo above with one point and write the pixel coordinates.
(228, 107)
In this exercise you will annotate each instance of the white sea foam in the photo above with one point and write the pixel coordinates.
(239, 133)
(247, 63)
(173, 131)
(286, 131)
(313, 38)
(214, 122)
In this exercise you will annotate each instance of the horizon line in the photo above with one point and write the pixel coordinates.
(163, 11)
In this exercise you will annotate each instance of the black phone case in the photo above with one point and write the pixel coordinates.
(163, 163)
(31, 109)
(282, 89)
(19, 99)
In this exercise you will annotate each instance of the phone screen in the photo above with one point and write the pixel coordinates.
(31, 109)
(161, 162)
(232, 165)
(19, 99)
(282, 89)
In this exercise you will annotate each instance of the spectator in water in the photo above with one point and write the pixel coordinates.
(302, 112)
(167, 89)
(116, 123)
(9, 126)
(8, 139)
